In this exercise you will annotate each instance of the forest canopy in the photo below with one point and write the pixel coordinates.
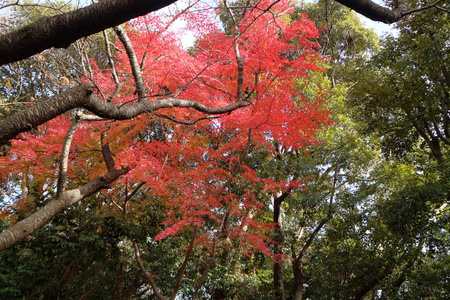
(287, 153)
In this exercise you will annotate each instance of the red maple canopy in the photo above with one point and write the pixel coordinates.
(190, 162)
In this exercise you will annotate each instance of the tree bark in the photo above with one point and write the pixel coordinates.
(26, 227)
(377, 12)
(83, 97)
(278, 283)
(299, 279)
(62, 30)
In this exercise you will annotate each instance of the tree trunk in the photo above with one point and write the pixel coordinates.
(221, 293)
(278, 265)
(299, 280)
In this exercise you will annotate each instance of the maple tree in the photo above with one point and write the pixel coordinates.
(238, 92)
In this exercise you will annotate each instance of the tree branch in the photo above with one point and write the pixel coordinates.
(60, 187)
(26, 227)
(107, 154)
(185, 122)
(62, 30)
(376, 12)
(83, 97)
(148, 277)
(422, 8)
(185, 262)
(135, 68)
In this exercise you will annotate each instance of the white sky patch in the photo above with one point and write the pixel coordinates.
(187, 38)
(180, 26)
(380, 28)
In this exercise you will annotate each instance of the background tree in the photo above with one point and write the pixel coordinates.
(407, 111)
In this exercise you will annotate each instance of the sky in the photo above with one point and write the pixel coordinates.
(380, 28)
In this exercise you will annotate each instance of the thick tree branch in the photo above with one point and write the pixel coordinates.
(62, 30)
(379, 13)
(83, 97)
(386, 15)
(374, 11)
(42, 112)
(26, 227)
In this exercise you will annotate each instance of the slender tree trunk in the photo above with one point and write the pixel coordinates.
(278, 266)
(299, 280)
(221, 293)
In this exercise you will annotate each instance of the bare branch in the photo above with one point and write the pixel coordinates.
(421, 8)
(135, 68)
(60, 187)
(111, 59)
(443, 9)
(147, 276)
(185, 122)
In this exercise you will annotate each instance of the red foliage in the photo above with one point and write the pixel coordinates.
(194, 168)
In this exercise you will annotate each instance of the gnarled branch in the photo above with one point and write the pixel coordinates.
(83, 97)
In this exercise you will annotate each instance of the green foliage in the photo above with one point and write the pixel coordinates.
(344, 38)
(403, 91)
(76, 254)
(370, 176)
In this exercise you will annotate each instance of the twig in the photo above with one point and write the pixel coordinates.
(185, 122)
(421, 8)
